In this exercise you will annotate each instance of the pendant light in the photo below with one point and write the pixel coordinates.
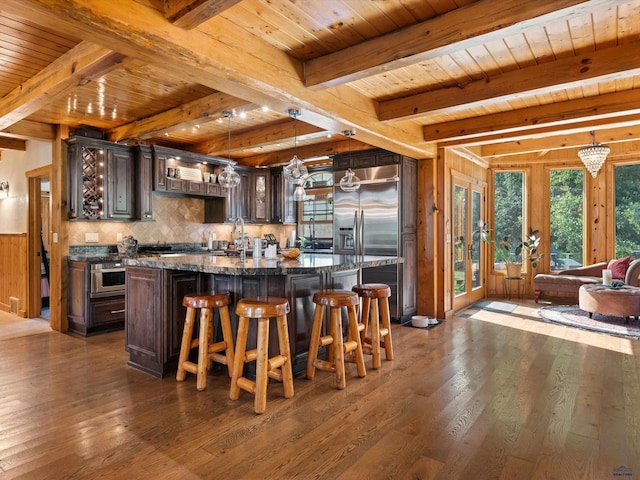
(594, 156)
(229, 178)
(349, 183)
(299, 194)
(295, 172)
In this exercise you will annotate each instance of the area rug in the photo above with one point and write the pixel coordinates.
(572, 316)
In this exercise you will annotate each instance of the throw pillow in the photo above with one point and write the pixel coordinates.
(619, 267)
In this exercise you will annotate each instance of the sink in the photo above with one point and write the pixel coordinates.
(172, 254)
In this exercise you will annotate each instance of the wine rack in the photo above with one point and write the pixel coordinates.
(92, 182)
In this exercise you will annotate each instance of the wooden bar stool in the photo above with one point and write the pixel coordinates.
(374, 313)
(208, 350)
(277, 367)
(335, 300)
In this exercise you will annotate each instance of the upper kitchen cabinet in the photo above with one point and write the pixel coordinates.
(365, 159)
(186, 173)
(260, 197)
(101, 177)
(144, 183)
(283, 207)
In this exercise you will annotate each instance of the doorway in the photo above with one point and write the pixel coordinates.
(468, 262)
(39, 241)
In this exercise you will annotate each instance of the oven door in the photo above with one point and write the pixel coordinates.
(107, 282)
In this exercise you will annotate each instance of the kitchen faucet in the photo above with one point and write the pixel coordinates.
(235, 229)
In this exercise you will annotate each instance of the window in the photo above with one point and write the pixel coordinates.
(627, 213)
(508, 189)
(566, 218)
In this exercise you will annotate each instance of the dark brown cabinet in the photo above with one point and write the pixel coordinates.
(144, 184)
(119, 179)
(365, 159)
(283, 207)
(86, 315)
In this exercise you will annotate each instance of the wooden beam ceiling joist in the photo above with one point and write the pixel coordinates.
(10, 143)
(188, 115)
(271, 134)
(562, 141)
(27, 128)
(282, 157)
(465, 27)
(608, 64)
(80, 65)
(596, 108)
(189, 14)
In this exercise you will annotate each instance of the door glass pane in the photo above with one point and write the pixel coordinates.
(567, 218)
(476, 205)
(507, 215)
(460, 239)
(627, 178)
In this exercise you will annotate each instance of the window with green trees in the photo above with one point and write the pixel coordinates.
(566, 218)
(508, 188)
(627, 213)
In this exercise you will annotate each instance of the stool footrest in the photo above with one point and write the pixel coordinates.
(247, 385)
(326, 340)
(367, 349)
(217, 347)
(190, 367)
(194, 343)
(220, 358)
(276, 362)
(324, 365)
(276, 374)
(350, 346)
(251, 355)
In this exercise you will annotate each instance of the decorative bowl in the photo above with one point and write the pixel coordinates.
(292, 254)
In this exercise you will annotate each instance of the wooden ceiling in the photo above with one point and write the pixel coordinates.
(493, 78)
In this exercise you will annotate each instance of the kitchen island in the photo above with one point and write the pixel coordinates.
(157, 284)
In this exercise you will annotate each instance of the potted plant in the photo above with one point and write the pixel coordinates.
(504, 251)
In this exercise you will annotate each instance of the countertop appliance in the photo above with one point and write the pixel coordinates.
(366, 222)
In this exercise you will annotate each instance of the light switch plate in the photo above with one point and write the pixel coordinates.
(91, 238)
(119, 237)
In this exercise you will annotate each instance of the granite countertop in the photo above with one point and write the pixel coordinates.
(305, 263)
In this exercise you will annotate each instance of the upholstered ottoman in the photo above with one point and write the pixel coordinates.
(618, 302)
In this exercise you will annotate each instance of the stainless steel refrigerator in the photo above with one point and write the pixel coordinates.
(366, 222)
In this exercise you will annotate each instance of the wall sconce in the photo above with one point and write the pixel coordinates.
(4, 187)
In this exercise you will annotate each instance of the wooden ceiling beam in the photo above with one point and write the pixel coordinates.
(561, 142)
(595, 108)
(79, 66)
(189, 14)
(468, 26)
(10, 143)
(546, 131)
(27, 128)
(266, 135)
(282, 157)
(608, 64)
(221, 57)
(188, 115)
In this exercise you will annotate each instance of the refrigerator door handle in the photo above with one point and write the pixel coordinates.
(356, 233)
(361, 232)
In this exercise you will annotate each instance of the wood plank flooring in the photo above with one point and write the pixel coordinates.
(483, 396)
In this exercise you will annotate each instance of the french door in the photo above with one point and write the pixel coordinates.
(468, 253)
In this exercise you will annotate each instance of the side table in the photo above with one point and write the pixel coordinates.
(519, 284)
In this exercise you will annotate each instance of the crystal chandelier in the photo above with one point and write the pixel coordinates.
(229, 178)
(295, 172)
(594, 156)
(349, 183)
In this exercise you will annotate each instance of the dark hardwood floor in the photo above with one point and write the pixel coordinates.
(489, 396)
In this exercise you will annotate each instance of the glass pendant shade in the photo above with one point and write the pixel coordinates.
(299, 194)
(229, 178)
(295, 172)
(349, 183)
(594, 156)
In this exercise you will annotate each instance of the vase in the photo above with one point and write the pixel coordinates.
(514, 270)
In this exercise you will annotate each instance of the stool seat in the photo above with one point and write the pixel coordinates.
(208, 350)
(262, 307)
(373, 290)
(376, 319)
(337, 346)
(277, 367)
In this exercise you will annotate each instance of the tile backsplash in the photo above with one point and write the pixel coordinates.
(176, 220)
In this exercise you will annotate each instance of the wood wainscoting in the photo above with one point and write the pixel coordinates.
(13, 273)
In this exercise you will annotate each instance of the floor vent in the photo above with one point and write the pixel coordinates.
(14, 304)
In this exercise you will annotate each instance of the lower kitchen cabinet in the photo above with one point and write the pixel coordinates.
(86, 315)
